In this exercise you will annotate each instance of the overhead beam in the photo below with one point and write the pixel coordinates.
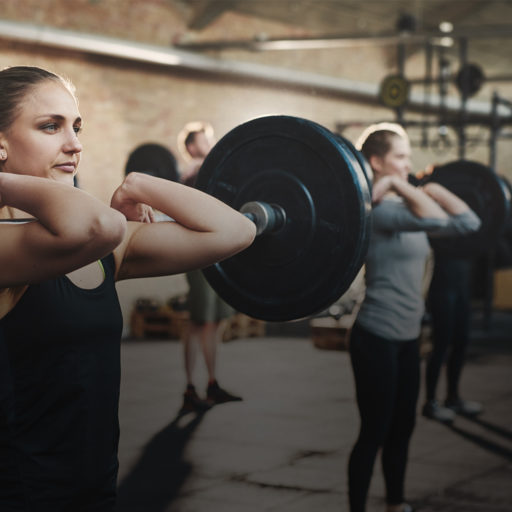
(363, 92)
(326, 41)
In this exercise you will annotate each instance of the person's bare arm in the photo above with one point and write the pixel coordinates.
(448, 201)
(70, 229)
(419, 202)
(204, 231)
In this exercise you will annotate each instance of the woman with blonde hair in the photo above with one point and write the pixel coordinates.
(384, 347)
(62, 251)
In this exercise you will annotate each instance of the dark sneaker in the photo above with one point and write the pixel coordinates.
(434, 411)
(405, 507)
(216, 395)
(192, 402)
(464, 407)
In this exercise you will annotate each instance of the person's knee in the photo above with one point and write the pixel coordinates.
(404, 427)
(373, 434)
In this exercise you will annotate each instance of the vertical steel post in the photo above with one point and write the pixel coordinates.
(464, 95)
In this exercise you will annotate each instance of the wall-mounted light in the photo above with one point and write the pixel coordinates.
(446, 27)
(447, 42)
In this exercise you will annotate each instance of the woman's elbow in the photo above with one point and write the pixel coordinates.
(241, 235)
(108, 230)
(474, 224)
(245, 234)
(469, 222)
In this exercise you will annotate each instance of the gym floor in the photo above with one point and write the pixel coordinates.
(285, 447)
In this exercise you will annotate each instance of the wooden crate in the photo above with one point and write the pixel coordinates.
(330, 333)
(163, 322)
(242, 326)
(502, 293)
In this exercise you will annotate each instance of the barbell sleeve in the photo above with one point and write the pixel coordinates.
(269, 218)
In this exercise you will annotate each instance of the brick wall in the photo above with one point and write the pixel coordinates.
(125, 104)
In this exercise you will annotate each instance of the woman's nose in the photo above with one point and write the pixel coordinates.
(72, 143)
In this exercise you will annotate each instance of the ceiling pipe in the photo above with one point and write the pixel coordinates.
(407, 36)
(172, 57)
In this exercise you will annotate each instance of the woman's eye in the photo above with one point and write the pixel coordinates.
(50, 127)
(77, 129)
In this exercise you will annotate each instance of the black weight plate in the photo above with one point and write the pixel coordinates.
(507, 190)
(394, 91)
(365, 166)
(470, 79)
(310, 262)
(485, 193)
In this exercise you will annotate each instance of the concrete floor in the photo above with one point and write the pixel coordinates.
(285, 446)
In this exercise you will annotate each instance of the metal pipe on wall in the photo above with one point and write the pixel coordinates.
(464, 95)
(171, 57)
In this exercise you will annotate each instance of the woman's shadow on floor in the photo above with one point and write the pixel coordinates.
(160, 472)
(485, 442)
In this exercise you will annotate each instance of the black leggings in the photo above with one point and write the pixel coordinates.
(387, 376)
(450, 310)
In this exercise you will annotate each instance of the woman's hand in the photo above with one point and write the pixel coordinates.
(381, 187)
(417, 200)
(130, 208)
(138, 212)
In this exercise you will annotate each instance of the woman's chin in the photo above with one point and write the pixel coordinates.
(66, 179)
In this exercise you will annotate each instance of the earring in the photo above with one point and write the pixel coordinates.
(3, 154)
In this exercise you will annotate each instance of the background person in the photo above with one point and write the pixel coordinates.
(153, 159)
(449, 304)
(207, 310)
(60, 319)
(384, 347)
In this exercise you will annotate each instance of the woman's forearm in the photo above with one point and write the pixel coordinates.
(448, 201)
(420, 203)
(189, 207)
(70, 215)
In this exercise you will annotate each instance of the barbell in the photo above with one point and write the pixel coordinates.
(486, 193)
(311, 202)
(308, 192)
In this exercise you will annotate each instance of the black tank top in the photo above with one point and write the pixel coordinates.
(60, 371)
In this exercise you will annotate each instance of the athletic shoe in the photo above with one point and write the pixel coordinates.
(404, 508)
(434, 411)
(192, 402)
(464, 407)
(216, 395)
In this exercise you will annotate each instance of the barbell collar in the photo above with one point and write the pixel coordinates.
(269, 218)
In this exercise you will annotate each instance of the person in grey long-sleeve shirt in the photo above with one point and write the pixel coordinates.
(384, 347)
(395, 262)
